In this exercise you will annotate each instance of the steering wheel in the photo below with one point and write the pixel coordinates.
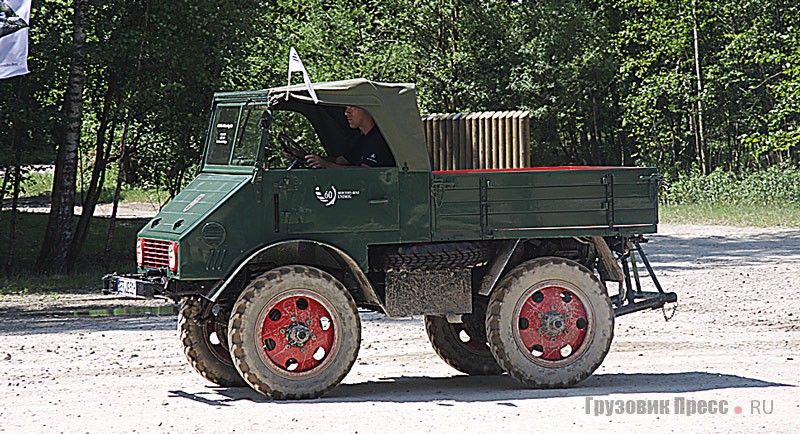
(297, 152)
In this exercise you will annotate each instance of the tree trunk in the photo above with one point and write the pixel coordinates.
(12, 226)
(4, 185)
(112, 223)
(700, 142)
(6, 177)
(14, 160)
(96, 183)
(59, 234)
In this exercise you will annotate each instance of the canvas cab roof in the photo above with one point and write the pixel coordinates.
(393, 106)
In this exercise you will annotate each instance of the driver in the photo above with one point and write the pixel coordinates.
(368, 150)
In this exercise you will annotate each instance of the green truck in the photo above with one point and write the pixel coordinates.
(516, 271)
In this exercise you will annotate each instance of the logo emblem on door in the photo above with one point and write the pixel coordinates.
(328, 197)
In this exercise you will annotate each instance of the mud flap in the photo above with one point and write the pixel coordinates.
(428, 292)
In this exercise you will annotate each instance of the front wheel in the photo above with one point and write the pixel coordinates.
(294, 333)
(550, 323)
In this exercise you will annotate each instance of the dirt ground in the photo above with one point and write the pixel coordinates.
(730, 355)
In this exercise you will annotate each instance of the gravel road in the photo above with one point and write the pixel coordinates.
(730, 356)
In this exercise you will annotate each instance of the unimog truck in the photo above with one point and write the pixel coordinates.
(517, 271)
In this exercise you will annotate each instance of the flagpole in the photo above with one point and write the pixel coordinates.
(289, 73)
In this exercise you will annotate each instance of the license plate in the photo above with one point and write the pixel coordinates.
(126, 286)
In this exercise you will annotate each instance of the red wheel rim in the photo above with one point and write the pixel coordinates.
(214, 326)
(553, 324)
(297, 333)
(471, 343)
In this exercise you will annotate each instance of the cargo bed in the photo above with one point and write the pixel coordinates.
(544, 202)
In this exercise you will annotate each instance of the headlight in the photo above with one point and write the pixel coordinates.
(172, 256)
(140, 251)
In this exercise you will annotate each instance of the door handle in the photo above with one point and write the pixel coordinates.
(382, 201)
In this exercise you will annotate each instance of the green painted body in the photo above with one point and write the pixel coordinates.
(259, 206)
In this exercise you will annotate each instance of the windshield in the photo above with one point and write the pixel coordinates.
(235, 135)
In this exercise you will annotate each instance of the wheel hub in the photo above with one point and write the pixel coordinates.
(298, 334)
(553, 323)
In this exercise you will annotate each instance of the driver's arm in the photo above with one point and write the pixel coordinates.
(317, 162)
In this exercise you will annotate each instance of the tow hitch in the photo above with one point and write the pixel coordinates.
(631, 300)
(142, 285)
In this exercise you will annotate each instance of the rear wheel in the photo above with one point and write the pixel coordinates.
(550, 323)
(463, 345)
(203, 330)
(294, 333)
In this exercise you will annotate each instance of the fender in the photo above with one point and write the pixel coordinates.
(607, 267)
(365, 287)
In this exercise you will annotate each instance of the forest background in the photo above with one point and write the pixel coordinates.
(119, 91)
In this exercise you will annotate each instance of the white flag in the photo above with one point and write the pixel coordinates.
(296, 65)
(14, 19)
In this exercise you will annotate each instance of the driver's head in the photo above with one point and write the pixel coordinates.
(359, 118)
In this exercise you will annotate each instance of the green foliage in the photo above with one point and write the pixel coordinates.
(37, 184)
(777, 186)
(606, 82)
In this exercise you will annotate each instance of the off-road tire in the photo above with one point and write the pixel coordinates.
(438, 256)
(463, 345)
(197, 324)
(250, 331)
(516, 294)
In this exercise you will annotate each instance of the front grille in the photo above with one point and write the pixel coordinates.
(155, 253)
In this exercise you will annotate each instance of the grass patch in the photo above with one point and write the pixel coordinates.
(731, 215)
(91, 266)
(39, 183)
(137, 195)
(32, 284)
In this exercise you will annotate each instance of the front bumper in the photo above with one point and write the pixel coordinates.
(134, 285)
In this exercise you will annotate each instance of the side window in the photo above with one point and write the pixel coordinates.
(222, 135)
(299, 128)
